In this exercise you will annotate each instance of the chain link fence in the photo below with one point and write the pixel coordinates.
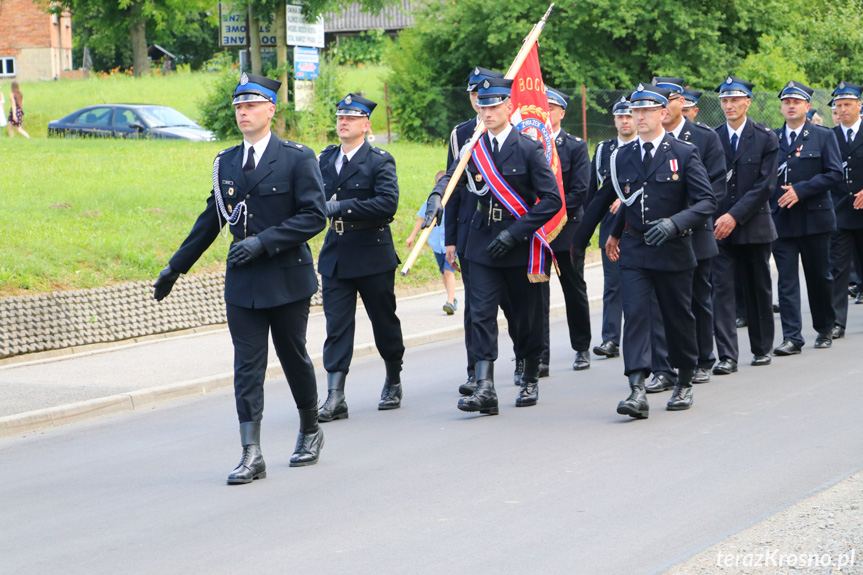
(596, 108)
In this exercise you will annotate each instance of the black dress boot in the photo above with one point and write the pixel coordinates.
(681, 398)
(529, 392)
(335, 406)
(636, 404)
(468, 387)
(252, 464)
(309, 441)
(484, 398)
(519, 371)
(391, 395)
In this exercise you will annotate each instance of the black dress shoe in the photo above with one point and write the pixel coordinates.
(519, 370)
(741, 322)
(529, 392)
(838, 332)
(608, 349)
(681, 397)
(701, 375)
(468, 387)
(310, 439)
(335, 407)
(725, 367)
(852, 290)
(484, 398)
(635, 405)
(582, 360)
(759, 360)
(391, 394)
(252, 464)
(824, 341)
(543, 369)
(660, 383)
(859, 298)
(787, 347)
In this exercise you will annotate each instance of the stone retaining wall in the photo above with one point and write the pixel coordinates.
(58, 320)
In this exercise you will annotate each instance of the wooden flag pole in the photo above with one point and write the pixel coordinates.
(529, 41)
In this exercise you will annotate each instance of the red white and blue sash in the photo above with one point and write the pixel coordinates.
(517, 207)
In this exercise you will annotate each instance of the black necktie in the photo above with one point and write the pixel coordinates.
(344, 164)
(734, 142)
(494, 145)
(850, 135)
(647, 155)
(792, 138)
(250, 163)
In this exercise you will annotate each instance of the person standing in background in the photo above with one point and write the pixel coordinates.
(16, 112)
(2, 111)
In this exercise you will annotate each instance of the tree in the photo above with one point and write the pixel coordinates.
(116, 22)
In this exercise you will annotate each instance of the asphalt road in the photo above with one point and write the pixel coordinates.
(567, 486)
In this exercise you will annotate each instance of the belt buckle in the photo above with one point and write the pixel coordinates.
(339, 226)
(496, 214)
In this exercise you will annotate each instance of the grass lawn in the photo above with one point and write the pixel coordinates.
(47, 101)
(88, 213)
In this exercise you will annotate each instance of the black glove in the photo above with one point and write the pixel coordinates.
(660, 233)
(501, 245)
(164, 283)
(244, 251)
(434, 209)
(332, 208)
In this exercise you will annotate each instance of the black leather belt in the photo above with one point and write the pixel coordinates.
(497, 214)
(340, 226)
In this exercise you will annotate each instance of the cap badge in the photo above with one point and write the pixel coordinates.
(348, 100)
(476, 71)
(244, 79)
(728, 80)
(842, 84)
(640, 88)
(486, 84)
(791, 84)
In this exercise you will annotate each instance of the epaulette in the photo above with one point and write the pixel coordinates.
(762, 126)
(228, 149)
(823, 127)
(379, 151)
(293, 145)
(684, 142)
(576, 138)
(327, 149)
(703, 126)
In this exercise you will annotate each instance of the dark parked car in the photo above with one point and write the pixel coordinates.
(129, 121)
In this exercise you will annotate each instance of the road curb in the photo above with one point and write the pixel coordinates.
(60, 415)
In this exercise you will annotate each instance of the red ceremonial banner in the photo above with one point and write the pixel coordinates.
(530, 116)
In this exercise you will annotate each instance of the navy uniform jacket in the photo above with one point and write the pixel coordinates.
(285, 202)
(575, 169)
(753, 179)
(368, 191)
(813, 167)
(521, 162)
(687, 200)
(712, 156)
(462, 203)
(847, 218)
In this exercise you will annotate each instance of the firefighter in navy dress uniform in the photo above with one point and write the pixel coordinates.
(846, 245)
(664, 192)
(612, 306)
(575, 170)
(703, 244)
(358, 255)
(809, 167)
(744, 229)
(270, 193)
(498, 246)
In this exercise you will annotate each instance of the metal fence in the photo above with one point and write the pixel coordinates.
(595, 107)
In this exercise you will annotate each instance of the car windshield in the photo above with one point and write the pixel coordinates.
(164, 117)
